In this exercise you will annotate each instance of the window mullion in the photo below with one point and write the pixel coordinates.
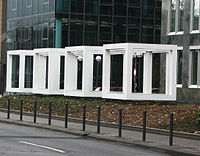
(198, 69)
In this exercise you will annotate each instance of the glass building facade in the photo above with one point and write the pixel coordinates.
(60, 23)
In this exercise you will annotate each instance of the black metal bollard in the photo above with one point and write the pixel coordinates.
(120, 122)
(66, 114)
(50, 113)
(35, 111)
(21, 109)
(171, 130)
(144, 126)
(84, 113)
(98, 119)
(8, 115)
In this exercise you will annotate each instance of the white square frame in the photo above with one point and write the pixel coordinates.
(72, 54)
(39, 81)
(128, 49)
(22, 54)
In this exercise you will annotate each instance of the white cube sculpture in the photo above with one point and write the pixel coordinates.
(86, 55)
(130, 50)
(20, 71)
(47, 77)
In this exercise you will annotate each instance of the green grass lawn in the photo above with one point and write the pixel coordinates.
(185, 116)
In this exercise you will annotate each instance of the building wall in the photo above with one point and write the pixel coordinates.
(186, 39)
(3, 19)
(30, 25)
(85, 22)
(97, 22)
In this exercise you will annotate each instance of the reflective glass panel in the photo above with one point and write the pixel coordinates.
(172, 15)
(194, 67)
(15, 71)
(62, 71)
(79, 74)
(116, 73)
(28, 72)
(47, 72)
(97, 72)
(179, 67)
(137, 74)
(181, 15)
(196, 15)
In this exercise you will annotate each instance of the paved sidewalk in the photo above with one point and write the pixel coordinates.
(154, 142)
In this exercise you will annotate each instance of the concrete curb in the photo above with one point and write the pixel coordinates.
(172, 150)
(111, 125)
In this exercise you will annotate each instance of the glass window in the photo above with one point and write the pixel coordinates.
(116, 73)
(79, 74)
(28, 72)
(156, 73)
(76, 30)
(179, 66)
(134, 3)
(106, 2)
(91, 6)
(137, 74)
(28, 3)
(14, 4)
(119, 31)
(181, 15)
(196, 15)
(106, 10)
(91, 30)
(148, 3)
(77, 6)
(120, 8)
(45, 1)
(15, 71)
(194, 67)
(134, 12)
(172, 15)
(133, 35)
(62, 71)
(47, 72)
(97, 72)
(44, 31)
(148, 12)
(45, 6)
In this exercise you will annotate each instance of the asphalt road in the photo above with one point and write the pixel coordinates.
(26, 141)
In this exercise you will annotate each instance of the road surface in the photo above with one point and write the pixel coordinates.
(27, 141)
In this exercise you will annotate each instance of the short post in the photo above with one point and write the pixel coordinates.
(21, 109)
(171, 130)
(66, 114)
(144, 126)
(8, 115)
(50, 113)
(84, 113)
(98, 119)
(35, 110)
(120, 122)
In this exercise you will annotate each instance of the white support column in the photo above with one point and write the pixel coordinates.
(147, 83)
(198, 69)
(9, 71)
(21, 70)
(87, 70)
(127, 72)
(70, 72)
(172, 71)
(106, 72)
(53, 72)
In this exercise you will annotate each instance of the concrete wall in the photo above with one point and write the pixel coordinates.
(184, 40)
